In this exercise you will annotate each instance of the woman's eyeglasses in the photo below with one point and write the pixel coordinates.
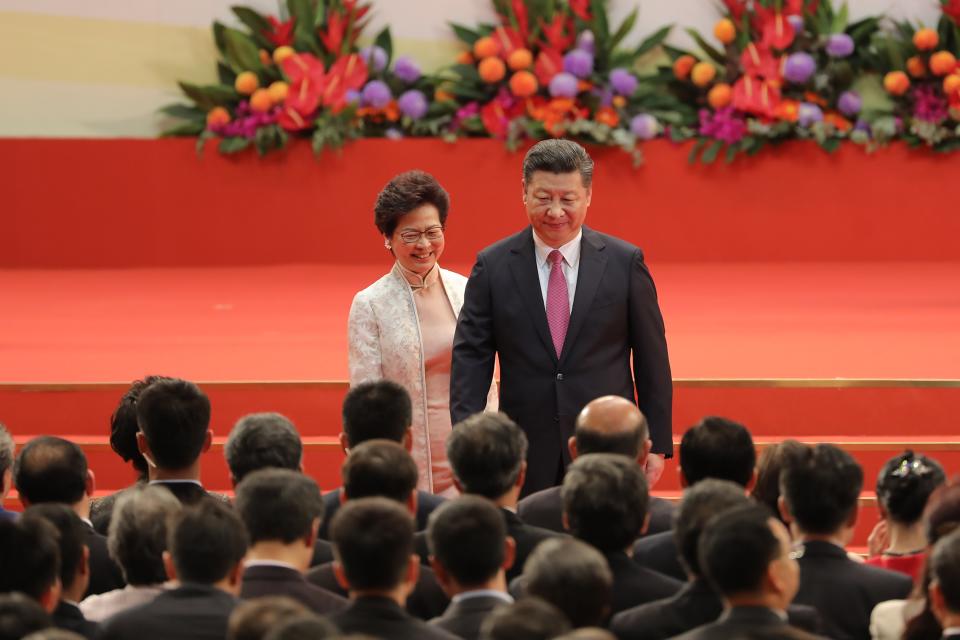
(432, 234)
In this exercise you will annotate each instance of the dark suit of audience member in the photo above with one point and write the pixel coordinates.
(30, 557)
(544, 509)
(105, 575)
(464, 618)
(384, 618)
(748, 622)
(259, 581)
(68, 616)
(189, 612)
(634, 584)
(322, 553)
(658, 553)
(426, 503)
(944, 591)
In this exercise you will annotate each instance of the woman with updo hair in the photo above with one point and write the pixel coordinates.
(401, 327)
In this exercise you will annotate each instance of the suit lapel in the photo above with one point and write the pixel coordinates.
(523, 266)
(593, 262)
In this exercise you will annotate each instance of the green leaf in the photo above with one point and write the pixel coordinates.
(225, 74)
(255, 22)
(467, 35)
(202, 141)
(948, 146)
(242, 53)
(321, 14)
(839, 24)
(185, 129)
(385, 41)
(184, 112)
(706, 48)
(209, 96)
(233, 145)
(466, 72)
(625, 28)
(830, 145)
(732, 152)
(303, 15)
(695, 151)
(219, 38)
(712, 152)
(652, 41)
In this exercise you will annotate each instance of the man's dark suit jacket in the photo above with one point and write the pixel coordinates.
(843, 591)
(261, 581)
(659, 552)
(744, 620)
(464, 618)
(105, 575)
(384, 618)
(426, 503)
(101, 509)
(545, 509)
(189, 612)
(615, 313)
(633, 584)
(426, 601)
(69, 617)
(322, 553)
(694, 605)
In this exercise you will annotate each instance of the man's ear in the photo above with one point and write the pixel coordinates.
(343, 496)
(168, 565)
(937, 603)
(235, 577)
(522, 476)
(344, 442)
(407, 441)
(311, 540)
(646, 525)
(784, 510)
(90, 485)
(85, 561)
(443, 578)
(413, 571)
(50, 598)
(683, 478)
(207, 441)
(412, 503)
(572, 447)
(144, 447)
(644, 453)
(509, 553)
(565, 520)
(523, 190)
(340, 575)
(752, 482)
(589, 196)
(458, 486)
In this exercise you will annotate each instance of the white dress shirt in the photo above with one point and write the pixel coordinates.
(570, 264)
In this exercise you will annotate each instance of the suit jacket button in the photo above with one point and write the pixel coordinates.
(560, 376)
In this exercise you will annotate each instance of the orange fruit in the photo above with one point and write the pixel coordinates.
(523, 84)
(282, 53)
(720, 96)
(725, 31)
(261, 101)
(246, 83)
(951, 84)
(896, 83)
(278, 91)
(520, 59)
(442, 95)
(217, 116)
(465, 57)
(926, 39)
(492, 70)
(682, 67)
(264, 57)
(703, 74)
(916, 67)
(486, 47)
(942, 63)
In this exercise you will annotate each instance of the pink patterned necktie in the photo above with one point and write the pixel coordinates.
(558, 301)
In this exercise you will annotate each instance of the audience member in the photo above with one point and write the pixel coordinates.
(944, 591)
(766, 490)
(470, 553)
(610, 424)
(714, 448)
(572, 576)
(53, 633)
(528, 619)
(51, 469)
(377, 410)
(21, 615)
(820, 492)
(281, 510)
(488, 454)
(74, 565)
(904, 485)
(373, 543)
(587, 633)
(30, 557)
(253, 619)
(307, 627)
(7, 451)
(745, 552)
(206, 549)
(262, 441)
(137, 538)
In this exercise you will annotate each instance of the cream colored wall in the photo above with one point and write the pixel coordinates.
(101, 68)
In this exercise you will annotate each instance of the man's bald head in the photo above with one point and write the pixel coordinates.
(611, 424)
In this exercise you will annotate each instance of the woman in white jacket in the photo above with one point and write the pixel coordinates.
(401, 327)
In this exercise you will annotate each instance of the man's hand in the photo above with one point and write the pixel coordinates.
(654, 469)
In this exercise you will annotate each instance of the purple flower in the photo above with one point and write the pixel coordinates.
(850, 103)
(723, 124)
(376, 94)
(796, 22)
(406, 69)
(799, 67)
(353, 96)
(839, 45)
(585, 41)
(579, 63)
(623, 82)
(563, 85)
(644, 126)
(929, 105)
(413, 104)
(393, 134)
(809, 114)
(864, 126)
(375, 57)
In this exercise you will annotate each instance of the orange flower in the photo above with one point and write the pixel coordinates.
(838, 121)
(810, 96)
(607, 116)
(788, 110)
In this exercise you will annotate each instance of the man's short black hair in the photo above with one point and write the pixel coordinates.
(124, 427)
(530, 618)
(51, 469)
(628, 442)
(379, 468)
(905, 483)
(21, 615)
(139, 531)
(278, 505)
(253, 619)
(71, 537)
(945, 569)
(572, 576)
(821, 486)
(737, 547)
(262, 441)
(467, 537)
(29, 555)
(207, 541)
(605, 498)
(307, 627)
(174, 416)
(701, 502)
(373, 540)
(486, 452)
(557, 155)
(717, 448)
(377, 410)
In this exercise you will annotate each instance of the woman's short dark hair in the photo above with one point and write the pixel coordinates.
(905, 483)
(124, 427)
(403, 194)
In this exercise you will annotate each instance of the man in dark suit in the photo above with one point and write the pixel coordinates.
(281, 510)
(714, 448)
(7, 450)
(572, 576)
(469, 553)
(377, 410)
(944, 591)
(821, 486)
(207, 547)
(609, 424)
(373, 542)
(563, 307)
(54, 470)
(30, 557)
(746, 554)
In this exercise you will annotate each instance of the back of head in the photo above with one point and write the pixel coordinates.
(378, 410)
(736, 548)
(766, 490)
(7, 450)
(530, 618)
(29, 555)
(207, 542)
(487, 452)
(611, 424)
(21, 615)
(124, 427)
(373, 541)
(557, 155)
(942, 515)
(905, 483)
(700, 503)
(945, 570)
(139, 530)
(379, 468)
(605, 500)
(588, 633)
(278, 505)
(304, 627)
(262, 441)
(174, 416)
(253, 619)
(467, 537)
(572, 576)
(71, 538)
(717, 448)
(821, 486)
(51, 469)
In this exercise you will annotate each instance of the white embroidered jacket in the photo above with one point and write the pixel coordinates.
(384, 336)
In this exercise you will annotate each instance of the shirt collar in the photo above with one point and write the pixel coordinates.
(196, 482)
(482, 593)
(269, 563)
(570, 251)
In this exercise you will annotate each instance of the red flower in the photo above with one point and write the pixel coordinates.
(952, 8)
(509, 39)
(558, 32)
(279, 33)
(332, 35)
(582, 9)
(307, 83)
(736, 8)
(753, 95)
(778, 33)
(523, 19)
(549, 63)
(348, 72)
(760, 61)
(494, 119)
